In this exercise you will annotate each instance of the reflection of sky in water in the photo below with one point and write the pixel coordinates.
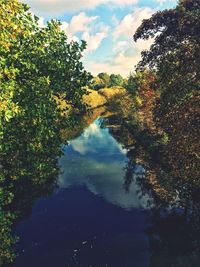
(97, 161)
(73, 227)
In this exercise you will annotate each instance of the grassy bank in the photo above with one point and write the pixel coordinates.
(99, 98)
(94, 99)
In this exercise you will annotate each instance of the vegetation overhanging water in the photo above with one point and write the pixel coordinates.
(99, 171)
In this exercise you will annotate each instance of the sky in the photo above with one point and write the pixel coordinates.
(107, 26)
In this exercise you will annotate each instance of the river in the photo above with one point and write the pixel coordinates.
(107, 209)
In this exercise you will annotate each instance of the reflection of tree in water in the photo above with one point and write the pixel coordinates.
(29, 165)
(174, 233)
(29, 168)
(128, 179)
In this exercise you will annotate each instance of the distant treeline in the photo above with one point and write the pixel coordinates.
(104, 80)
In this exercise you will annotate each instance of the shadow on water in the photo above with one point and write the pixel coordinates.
(107, 201)
(174, 231)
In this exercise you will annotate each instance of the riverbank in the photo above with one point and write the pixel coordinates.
(99, 98)
(93, 99)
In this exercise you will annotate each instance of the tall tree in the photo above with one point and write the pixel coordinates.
(116, 80)
(175, 53)
(35, 65)
(105, 78)
(175, 57)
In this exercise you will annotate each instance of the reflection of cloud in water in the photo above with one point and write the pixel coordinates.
(96, 161)
(85, 143)
(93, 139)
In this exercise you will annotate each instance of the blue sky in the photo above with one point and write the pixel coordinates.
(107, 26)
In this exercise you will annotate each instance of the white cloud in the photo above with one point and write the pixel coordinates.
(80, 22)
(124, 66)
(125, 58)
(64, 27)
(126, 53)
(57, 7)
(91, 31)
(41, 22)
(87, 161)
(115, 20)
(120, 46)
(93, 41)
(127, 50)
(162, 2)
(131, 22)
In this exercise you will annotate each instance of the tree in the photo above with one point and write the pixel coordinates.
(11, 13)
(116, 80)
(125, 82)
(105, 78)
(141, 86)
(174, 54)
(175, 57)
(97, 83)
(35, 65)
(28, 52)
(132, 84)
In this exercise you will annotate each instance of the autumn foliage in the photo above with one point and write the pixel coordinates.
(174, 57)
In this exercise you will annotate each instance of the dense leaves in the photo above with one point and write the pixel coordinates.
(141, 86)
(104, 80)
(175, 56)
(175, 53)
(116, 80)
(36, 64)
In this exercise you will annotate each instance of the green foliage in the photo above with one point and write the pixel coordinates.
(132, 84)
(125, 82)
(141, 80)
(96, 83)
(122, 104)
(105, 78)
(140, 86)
(12, 31)
(35, 65)
(29, 53)
(116, 80)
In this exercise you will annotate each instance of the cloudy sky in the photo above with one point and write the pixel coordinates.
(107, 26)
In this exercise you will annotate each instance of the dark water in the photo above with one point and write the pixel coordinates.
(104, 214)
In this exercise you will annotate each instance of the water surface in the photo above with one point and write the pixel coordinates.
(90, 220)
(111, 205)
